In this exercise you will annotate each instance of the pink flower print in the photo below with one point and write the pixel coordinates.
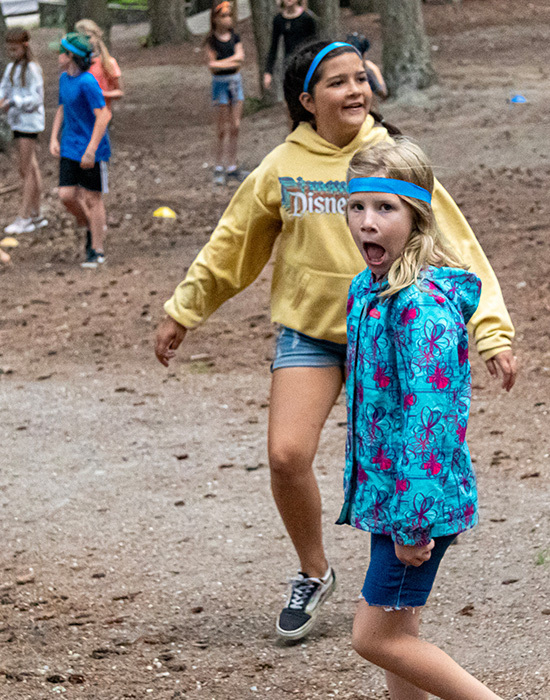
(432, 465)
(461, 433)
(408, 314)
(438, 378)
(349, 306)
(440, 300)
(402, 485)
(382, 459)
(381, 378)
(374, 313)
(468, 513)
(408, 401)
(462, 354)
(432, 286)
(362, 475)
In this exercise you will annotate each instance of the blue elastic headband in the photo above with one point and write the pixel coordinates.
(322, 53)
(73, 49)
(386, 184)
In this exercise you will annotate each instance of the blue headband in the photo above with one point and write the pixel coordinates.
(322, 53)
(386, 184)
(73, 49)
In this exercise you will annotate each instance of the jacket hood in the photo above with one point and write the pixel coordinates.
(305, 135)
(461, 288)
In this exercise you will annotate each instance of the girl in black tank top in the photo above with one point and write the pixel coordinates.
(224, 56)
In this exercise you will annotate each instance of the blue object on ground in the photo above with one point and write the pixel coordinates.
(518, 99)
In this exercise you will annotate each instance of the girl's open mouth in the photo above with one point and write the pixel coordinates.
(374, 253)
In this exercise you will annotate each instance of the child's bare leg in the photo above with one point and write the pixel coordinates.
(235, 125)
(70, 196)
(93, 203)
(223, 122)
(301, 399)
(37, 186)
(399, 688)
(26, 157)
(384, 639)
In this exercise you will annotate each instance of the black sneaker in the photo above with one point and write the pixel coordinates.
(237, 175)
(304, 600)
(93, 260)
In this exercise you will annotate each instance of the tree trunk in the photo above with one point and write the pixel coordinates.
(328, 12)
(262, 22)
(89, 9)
(3, 60)
(362, 7)
(406, 51)
(167, 19)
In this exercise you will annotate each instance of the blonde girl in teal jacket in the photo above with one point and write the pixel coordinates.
(409, 478)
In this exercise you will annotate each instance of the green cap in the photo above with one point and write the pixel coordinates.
(76, 43)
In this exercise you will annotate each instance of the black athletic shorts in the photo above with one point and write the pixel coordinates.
(24, 135)
(71, 174)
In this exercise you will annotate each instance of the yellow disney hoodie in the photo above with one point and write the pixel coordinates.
(297, 196)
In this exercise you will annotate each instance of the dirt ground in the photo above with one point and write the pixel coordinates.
(142, 555)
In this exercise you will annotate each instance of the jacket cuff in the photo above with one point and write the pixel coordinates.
(185, 317)
(412, 537)
(488, 354)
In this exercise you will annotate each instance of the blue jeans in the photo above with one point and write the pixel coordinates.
(389, 583)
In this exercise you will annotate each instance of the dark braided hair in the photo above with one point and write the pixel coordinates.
(295, 74)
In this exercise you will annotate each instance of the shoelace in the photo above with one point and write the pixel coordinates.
(302, 589)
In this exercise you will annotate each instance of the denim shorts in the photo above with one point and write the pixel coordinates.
(294, 349)
(227, 89)
(391, 584)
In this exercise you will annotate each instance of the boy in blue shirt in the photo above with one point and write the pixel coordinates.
(82, 117)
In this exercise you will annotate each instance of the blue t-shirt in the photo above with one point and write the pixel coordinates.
(80, 95)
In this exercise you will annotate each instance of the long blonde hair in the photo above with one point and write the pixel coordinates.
(404, 160)
(95, 34)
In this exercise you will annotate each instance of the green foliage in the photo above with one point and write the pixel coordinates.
(142, 4)
(543, 557)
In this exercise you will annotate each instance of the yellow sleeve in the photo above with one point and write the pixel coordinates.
(235, 255)
(491, 324)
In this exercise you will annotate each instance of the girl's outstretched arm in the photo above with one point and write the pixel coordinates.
(237, 251)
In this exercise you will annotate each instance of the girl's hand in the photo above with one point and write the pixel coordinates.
(268, 79)
(4, 105)
(506, 363)
(414, 555)
(170, 334)
(55, 149)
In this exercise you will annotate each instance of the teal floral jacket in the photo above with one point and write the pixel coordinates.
(408, 469)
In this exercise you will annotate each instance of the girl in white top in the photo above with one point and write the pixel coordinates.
(22, 97)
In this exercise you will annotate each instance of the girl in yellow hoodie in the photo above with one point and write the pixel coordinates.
(297, 196)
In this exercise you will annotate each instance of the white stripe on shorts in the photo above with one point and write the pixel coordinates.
(104, 173)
